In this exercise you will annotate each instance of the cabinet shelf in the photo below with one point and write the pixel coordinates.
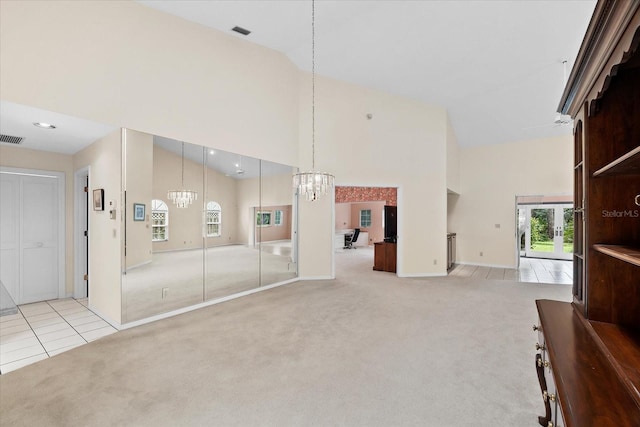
(629, 164)
(624, 345)
(623, 253)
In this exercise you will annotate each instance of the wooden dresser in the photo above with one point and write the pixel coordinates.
(588, 359)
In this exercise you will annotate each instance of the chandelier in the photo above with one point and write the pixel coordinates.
(182, 198)
(313, 184)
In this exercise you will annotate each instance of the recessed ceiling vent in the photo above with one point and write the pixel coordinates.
(11, 139)
(241, 30)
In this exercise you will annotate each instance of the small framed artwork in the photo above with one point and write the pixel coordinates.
(263, 218)
(138, 212)
(98, 199)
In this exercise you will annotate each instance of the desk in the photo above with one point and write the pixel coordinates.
(384, 258)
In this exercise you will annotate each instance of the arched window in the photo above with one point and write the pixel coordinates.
(159, 221)
(214, 219)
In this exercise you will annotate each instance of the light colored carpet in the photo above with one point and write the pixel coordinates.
(368, 349)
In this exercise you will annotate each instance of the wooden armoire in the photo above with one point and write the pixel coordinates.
(588, 359)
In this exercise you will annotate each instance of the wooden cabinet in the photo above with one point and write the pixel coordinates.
(593, 343)
(384, 258)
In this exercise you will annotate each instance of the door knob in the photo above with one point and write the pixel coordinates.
(39, 244)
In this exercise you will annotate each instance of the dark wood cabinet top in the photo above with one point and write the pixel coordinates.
(590, 388)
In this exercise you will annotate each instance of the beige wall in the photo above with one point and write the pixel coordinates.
(276, 191)
(120, 65)
(17, 157)
(343, 216)
(276, 232)
(453, 159)
(491, 177)
(105, 238)
(404, 146)
(138, 185)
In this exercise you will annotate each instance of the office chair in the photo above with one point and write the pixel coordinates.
(350, 240)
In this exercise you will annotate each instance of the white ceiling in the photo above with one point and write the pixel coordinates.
(70, 135)
(495, 65)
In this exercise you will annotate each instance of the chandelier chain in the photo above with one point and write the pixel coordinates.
(313, 85)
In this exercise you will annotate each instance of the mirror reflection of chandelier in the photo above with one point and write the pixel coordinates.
(182, 198)
(313, 184)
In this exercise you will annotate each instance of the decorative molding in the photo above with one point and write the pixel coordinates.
(599, 48)
(626, 56)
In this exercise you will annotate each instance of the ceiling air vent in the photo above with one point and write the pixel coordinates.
(241, 30)
(11, 139)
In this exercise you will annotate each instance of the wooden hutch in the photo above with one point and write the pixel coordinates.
(588, 362)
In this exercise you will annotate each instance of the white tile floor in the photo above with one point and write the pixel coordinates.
(47, 328)
(533, 270)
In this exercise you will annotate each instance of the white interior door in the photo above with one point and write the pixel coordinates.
(39, 239)
(30, 217)
(10, 233)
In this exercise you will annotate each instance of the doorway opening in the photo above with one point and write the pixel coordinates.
(365, 219)
(544, 227)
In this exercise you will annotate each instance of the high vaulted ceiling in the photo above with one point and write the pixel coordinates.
(497, 66)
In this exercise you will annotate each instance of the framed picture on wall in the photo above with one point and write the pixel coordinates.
(98, 199)
(138, 212)
(263, 219)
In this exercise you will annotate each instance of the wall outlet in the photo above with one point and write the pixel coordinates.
(481, 253)
(497, 225)
(165, 292)
(435, 262)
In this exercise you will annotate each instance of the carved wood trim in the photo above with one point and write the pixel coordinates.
(626, 56)
(602, 39)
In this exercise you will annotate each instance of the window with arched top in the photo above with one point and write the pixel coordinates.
(214, 219)
(159, 221)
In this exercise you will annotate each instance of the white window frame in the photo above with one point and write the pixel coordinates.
(158, 206)
(277, 217)
(362, 225)
(213, 207)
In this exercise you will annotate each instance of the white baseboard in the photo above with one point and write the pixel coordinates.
(486, 265)
(138, 265)
(310, 278)
(421, 275)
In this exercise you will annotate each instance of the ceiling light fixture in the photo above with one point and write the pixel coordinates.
(44, 125)
(182, 198)
(313, 184)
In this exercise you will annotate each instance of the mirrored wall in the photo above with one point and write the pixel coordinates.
(236, 234)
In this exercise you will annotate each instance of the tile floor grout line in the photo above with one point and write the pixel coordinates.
(67, 322)
(34, 333)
